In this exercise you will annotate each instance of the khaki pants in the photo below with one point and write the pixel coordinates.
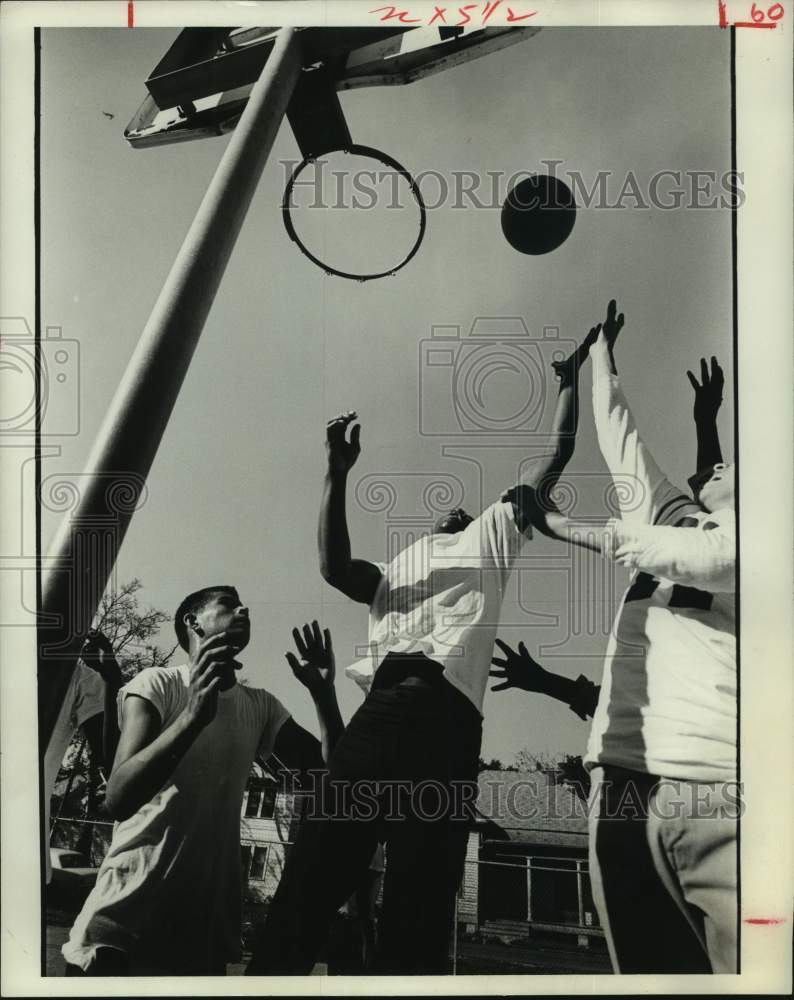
(663, 866)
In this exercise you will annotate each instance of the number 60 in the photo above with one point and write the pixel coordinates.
(774, 13)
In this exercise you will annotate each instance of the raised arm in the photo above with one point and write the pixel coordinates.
(519, 670)
(315, 668)
(702, 559)
(643, 491)
(708, 399)
(356, 578)
(97, 654)
(147, 754)
(544, 473)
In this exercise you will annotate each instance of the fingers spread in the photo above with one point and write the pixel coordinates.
(692, 380)
(298, 640)
(501, 687)
(504, 647)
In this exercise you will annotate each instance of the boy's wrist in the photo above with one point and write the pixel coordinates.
(112, 675)
(325, 697)
(558, 687)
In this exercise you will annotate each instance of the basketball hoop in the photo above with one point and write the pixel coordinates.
(374, 154)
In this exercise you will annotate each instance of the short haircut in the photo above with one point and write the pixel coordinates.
(192, 604)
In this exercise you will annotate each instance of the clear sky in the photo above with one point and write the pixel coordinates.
(234, 490)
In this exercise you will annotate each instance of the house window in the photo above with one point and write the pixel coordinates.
(258, 864)
(245, 858)
(254, 801)
(268, 807)
(261, 801)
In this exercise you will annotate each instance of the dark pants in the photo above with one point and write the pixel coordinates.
(113, 962)
(404, 771)
(107, 962)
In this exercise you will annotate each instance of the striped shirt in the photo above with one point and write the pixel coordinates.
(668, 698)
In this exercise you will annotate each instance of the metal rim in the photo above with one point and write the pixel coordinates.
(375, 154)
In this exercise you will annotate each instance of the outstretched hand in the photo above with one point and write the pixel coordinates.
(567, 369)
(708, 392)
(517, 670)
(342, 454)
(606, 334)
(613, 324)
(316, 668)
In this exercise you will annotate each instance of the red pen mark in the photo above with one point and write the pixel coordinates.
(511, 17)
(439, 13)
(765, 921)
(758, 18)
(130, 14)
(401, 15)
(463, 11)
(489, 9)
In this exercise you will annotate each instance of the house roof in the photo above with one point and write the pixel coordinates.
(533, 807)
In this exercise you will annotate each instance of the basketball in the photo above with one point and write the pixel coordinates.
(538, 214)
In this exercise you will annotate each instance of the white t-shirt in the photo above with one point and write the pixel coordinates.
(84, 698)
(668, 694)
(442, 596)
(170, 887)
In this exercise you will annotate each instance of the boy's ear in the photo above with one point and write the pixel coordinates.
(192, 623)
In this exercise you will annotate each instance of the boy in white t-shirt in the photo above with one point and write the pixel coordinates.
(168, 896)
(412, 748)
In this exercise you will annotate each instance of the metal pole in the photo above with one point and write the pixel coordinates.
(529, 889)
(86, 547)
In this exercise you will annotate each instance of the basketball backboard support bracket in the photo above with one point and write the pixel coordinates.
(195, 94)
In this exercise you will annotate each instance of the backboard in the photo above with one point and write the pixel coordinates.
(201, 85)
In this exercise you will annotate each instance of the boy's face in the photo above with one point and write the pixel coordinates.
(225, 612)
(719, 491)
(453, 521)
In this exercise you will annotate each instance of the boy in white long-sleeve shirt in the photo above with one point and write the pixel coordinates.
(662, 750)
